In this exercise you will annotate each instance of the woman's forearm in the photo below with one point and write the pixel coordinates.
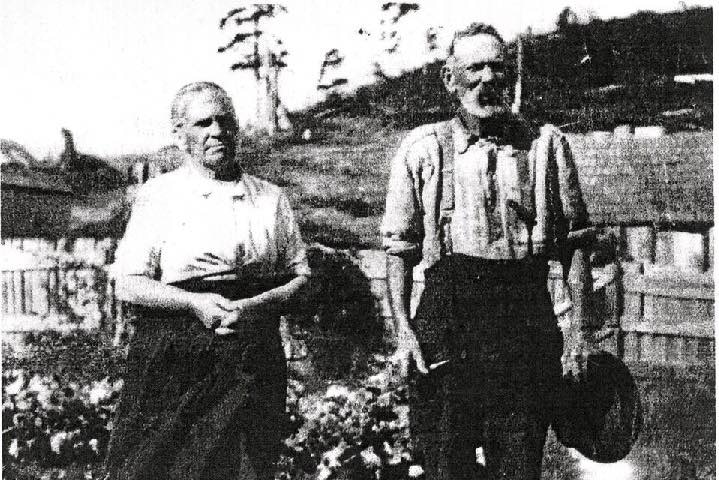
(141, 290)
(278, 298)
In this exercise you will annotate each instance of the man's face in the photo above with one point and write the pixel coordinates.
(477, 75)
(210, 130)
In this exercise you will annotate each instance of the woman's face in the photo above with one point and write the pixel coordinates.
(210, 130)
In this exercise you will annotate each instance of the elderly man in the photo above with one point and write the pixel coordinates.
(482, 204)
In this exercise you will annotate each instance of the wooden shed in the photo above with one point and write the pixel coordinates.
(34, 203)
(657, 195)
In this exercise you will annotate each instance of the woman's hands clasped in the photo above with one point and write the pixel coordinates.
(211, 308)
(218, 313)
(241, 310)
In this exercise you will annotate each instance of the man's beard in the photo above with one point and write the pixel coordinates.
(483, 105)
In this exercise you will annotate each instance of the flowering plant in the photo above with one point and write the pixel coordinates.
(54, 423)
(349, 431)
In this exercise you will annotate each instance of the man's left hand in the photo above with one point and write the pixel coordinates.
(574, 360)
(577, 349)
(578, 345)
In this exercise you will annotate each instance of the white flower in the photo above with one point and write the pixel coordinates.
(379, 380)
(94, 445)
(57, 440)
(100, 391)
(15, 387)
(36, 383)
(22, 404)
(415, 471)
(14, 449)
(370, 459)
(337, 391)
(330, 461)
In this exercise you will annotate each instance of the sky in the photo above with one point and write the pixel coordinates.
(108, 69)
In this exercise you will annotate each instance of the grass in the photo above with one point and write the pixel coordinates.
(337, 189)
(678, 437)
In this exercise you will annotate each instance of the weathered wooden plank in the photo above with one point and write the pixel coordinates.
(709, 242)
(634, 304)
(686, 329)
(40, 292)
(28, 291)
(629, 346)
(670, 284)
(53, 282)
(672, 310)
(673, 349)
(682, 249)
(18, 293)
(639, 243)
(706, 350)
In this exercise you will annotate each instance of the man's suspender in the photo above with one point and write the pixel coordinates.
(446, 202)
(443, 131)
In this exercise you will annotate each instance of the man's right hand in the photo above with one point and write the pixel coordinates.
(408, 350)
(210, 308)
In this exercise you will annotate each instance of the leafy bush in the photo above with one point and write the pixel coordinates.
(349, 431)
(54, 422)
(340, 323)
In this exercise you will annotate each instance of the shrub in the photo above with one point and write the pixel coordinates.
(54, 422)
(356, 431)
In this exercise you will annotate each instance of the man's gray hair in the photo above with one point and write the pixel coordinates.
(475, 28)
(179, 103)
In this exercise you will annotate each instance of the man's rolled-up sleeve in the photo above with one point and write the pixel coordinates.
(401, 225)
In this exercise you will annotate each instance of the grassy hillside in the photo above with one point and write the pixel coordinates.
(338, 190)
(584, 76)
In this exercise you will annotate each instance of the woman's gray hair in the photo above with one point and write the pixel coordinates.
(179, 103)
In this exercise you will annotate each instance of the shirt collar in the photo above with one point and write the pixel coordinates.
(463, 138)
(200, 183)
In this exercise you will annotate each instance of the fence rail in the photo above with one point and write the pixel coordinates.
(657, 314)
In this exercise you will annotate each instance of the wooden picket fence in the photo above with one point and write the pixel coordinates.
(49, 282)
(655, 313)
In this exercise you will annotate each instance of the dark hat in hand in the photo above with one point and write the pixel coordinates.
(600, 415)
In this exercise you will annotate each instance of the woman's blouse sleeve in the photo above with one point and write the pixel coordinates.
(138, 253)
(291, 248)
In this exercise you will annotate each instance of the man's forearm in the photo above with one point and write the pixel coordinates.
(399, 281)
(581, 288)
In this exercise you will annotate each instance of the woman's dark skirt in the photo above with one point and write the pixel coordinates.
(196, 405)
(492, 321)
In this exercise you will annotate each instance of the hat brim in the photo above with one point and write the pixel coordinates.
(601, 415)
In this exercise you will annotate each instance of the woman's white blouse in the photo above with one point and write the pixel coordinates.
(186, 225)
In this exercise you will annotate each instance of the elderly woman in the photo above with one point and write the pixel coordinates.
(211, 256)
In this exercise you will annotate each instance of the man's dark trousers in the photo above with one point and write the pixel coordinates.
(493, 321)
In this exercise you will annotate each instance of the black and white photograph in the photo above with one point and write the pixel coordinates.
(344, 240)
